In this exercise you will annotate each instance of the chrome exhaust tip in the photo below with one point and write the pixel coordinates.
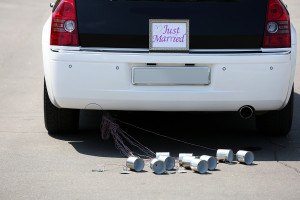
(246, 112)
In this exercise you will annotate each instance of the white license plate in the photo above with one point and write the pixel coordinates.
(171, 75)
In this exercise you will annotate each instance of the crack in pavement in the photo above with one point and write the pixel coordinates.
(290, 167)
(281, 162)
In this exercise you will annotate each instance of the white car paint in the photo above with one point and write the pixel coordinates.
(95, 79)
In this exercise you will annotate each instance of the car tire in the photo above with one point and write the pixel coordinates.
(279, 122)
(59, 120)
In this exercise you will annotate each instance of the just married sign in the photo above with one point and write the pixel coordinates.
(168, 35)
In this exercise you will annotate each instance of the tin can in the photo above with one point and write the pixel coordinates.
(162, 154)
(246, 157)
(186, 161)
(157, 166)
(181, 155)
(225, 155)
(169, 162)
(135, 163)
(211, 161)
(199, 166)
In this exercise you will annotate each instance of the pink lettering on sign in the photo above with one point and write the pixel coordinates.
(168, 34)
(162, 38)
(170, 31)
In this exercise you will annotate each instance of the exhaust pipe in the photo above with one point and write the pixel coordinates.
(246, 112)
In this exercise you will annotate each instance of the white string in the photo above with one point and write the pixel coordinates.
(110, 127)
(147, 151)
(103, 167)
(164, 136)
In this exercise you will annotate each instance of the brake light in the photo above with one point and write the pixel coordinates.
(64, 30)
(277, 30)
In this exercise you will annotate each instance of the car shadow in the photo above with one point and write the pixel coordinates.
(213, 130)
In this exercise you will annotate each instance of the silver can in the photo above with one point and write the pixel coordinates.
(157, 166)
(246, 157)
(162, 154)
(211, 161)
(199, 166)
(181, 155)
(186, 161)
(169, 162)
(135, 163)
(225, 155)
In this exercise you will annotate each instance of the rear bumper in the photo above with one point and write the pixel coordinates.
(103, 80)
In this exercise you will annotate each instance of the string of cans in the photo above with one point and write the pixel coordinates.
(201, 164)
(163, 162)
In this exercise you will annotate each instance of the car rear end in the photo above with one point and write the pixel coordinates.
(96, 56)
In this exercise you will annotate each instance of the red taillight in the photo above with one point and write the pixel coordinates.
(277, 30)
(64, 30)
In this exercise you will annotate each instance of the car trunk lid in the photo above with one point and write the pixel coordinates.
(214, 24)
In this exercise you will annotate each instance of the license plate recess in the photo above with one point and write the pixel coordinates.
(171, 75)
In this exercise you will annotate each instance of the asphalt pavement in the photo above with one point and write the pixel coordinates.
(36, 165)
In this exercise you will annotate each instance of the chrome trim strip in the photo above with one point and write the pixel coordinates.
(191, 51)
(147, 50)
(206, 53)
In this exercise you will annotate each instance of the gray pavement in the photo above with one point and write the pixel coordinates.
(35, 165)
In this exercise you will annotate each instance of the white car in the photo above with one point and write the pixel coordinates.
(212, 55)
